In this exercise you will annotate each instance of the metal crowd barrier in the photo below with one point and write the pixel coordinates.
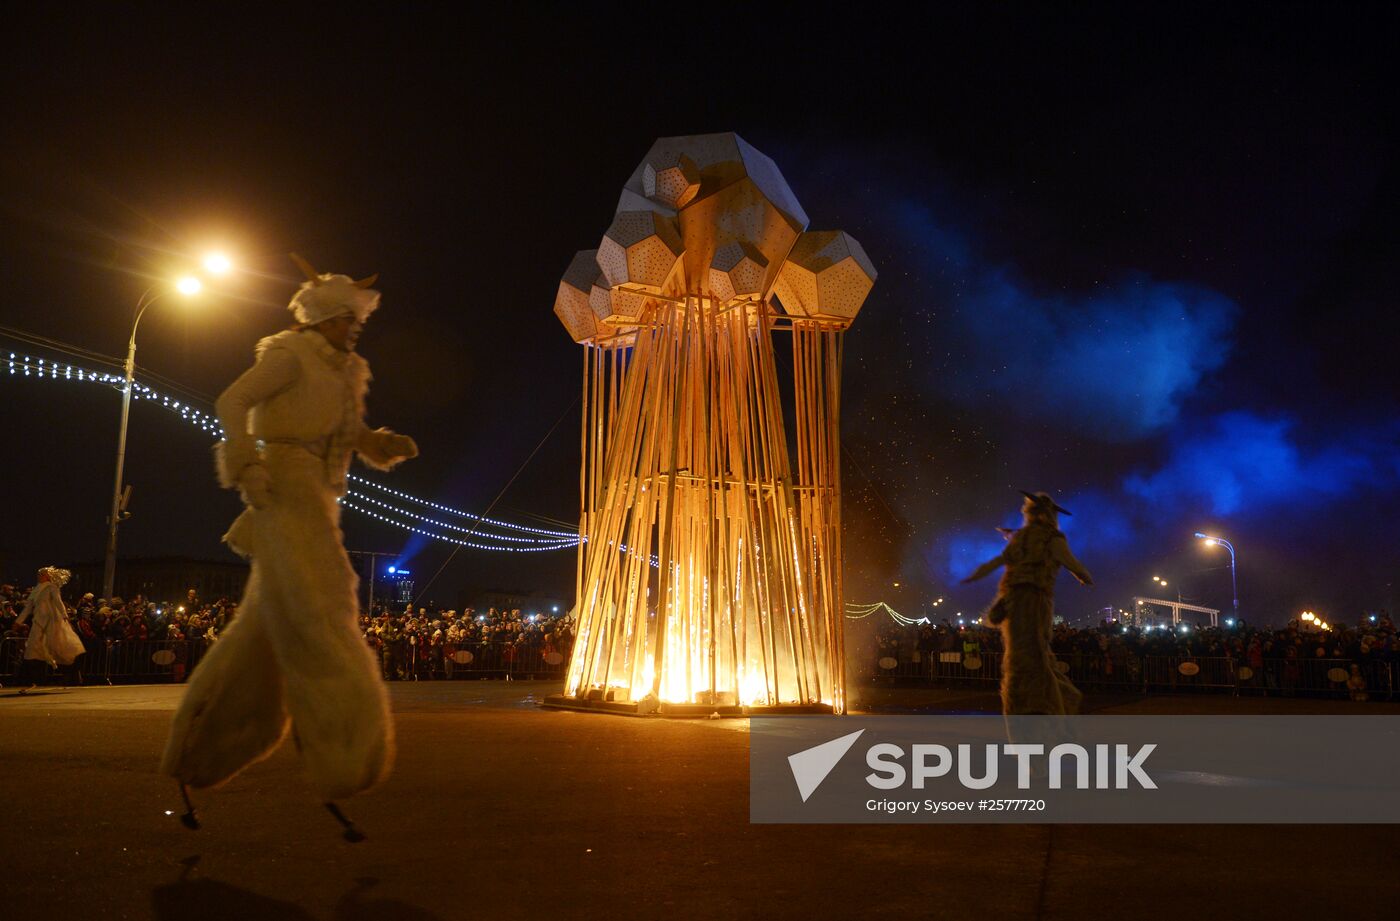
(161, 661)
(1146, 674)
(115, 661)
(400, 660)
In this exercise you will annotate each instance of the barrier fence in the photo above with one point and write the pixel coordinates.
(162, 661)
(157, 661)
(1145, 674)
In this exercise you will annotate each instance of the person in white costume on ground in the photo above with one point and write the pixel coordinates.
(52, 640)
(294, 656)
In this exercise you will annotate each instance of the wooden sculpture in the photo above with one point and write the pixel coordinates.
(709, 573)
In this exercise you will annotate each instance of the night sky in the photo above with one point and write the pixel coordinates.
(1146, 261)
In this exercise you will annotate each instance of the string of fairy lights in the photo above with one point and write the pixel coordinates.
(861, 611)
(482, 534)
(53, 370)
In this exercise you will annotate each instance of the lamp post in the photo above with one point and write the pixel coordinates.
(188, 286)
(1234, 583)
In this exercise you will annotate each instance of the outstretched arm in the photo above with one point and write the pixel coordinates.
(1059, 549)
(986, 568)
(384, 449)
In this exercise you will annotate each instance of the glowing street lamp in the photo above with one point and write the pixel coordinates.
(189, 286)
(217, 264)
(1234, 583)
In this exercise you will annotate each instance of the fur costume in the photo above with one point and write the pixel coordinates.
(293, 656)
(51, 637)
(1025, 609)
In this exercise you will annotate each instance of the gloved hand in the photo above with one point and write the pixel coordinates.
(255, 485)
(400, 446)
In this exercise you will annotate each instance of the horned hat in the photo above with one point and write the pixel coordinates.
(324, 296)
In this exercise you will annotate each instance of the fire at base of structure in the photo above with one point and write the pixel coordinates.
(709, 576)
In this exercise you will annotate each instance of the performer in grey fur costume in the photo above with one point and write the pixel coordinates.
(294, 657)
(1024, 608)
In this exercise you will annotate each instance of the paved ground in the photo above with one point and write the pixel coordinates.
(499, 809)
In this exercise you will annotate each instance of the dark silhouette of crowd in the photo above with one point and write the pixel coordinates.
(1278, 658)
(412, 644)
(430, 643)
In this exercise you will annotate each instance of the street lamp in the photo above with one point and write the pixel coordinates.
(188, 286)
(217, 264)
(1234, 583)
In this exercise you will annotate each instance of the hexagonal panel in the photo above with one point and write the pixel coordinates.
(614, 305)
(571, 304)
(737, 270)
(826, 276)
(670, 178)
(641, 249)
(742, 197)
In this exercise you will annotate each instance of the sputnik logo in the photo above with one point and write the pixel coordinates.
(812, 765)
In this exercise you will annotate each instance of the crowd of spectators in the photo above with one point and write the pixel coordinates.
(421, 643)
(433, 643)
(1373, 638)
(127, 620)
(1116, 649)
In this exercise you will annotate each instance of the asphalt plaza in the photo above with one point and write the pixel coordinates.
(500, 808)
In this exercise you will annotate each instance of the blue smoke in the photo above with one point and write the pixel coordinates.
(1116, 363)
(1245, 465)
(1250, 468)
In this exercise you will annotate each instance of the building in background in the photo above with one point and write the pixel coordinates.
(165, 578)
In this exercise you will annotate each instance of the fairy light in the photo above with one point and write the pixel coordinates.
(861, 611)
(451, 540)
(569, 539)
(453, 511)
(543, 539)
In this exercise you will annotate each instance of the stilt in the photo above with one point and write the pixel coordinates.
(352, 831)
(190, 820)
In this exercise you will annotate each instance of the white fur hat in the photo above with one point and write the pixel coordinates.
(323, 296)
(57, 576)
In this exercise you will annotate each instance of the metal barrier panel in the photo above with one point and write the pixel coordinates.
(11, 654)
(1371, 680)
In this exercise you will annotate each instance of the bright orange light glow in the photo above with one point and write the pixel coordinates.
(189, 285)
(218, 264)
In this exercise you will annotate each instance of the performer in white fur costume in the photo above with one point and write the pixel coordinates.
(1025, 609)
(294, 656)
(51, 640)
